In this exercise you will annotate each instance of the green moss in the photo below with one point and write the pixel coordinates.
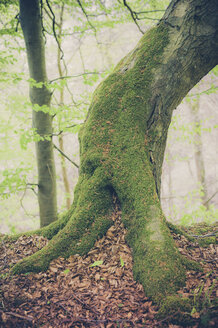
(115, 157)
(175, 310)
(205, 242)
(191, 265)
(179, 230)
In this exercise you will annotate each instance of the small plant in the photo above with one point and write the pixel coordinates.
(122, 262)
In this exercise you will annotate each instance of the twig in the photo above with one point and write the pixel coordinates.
(28, 318)
(17, 17)
(133, 14)
(67, 127)
(53, 27)
(60, 151)
(22, 197)
(73, 76)
(32, 184)
(205, 236)
(49, 15)
(86, 15)
(147, 11)
(42, 18)
(146, 17)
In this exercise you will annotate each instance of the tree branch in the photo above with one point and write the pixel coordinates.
(133, 14)
(86, 15)
(74, 76)
(67, 127)
(205, 236)
(53, 27)
(60, 151)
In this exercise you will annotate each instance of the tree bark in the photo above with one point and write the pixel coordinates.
(30, 18)
(122, 145)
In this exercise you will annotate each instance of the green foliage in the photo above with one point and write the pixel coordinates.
(12, 181)
(200, 214)
(193, 211)
(186, 132)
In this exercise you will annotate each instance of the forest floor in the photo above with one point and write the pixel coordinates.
(98, 290)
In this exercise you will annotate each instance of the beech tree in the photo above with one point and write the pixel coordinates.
(122, 147)
(40, 95)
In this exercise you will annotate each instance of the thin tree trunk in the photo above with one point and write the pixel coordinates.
(61, 102)
(30, 18)
(198, 154)
(122, 145)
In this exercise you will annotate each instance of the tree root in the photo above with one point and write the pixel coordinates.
(76, 233)
(65, 243)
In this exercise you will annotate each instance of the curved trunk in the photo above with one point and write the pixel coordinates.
(30, 18)
(122, 145)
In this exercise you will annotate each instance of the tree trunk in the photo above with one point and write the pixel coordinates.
(122, 145)
(30, 18)
(199, 156)
(61, 102)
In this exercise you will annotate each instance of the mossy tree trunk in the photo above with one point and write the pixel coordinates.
(31, 23)
(122, 146)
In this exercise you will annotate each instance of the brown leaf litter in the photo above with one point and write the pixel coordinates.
(97, 290)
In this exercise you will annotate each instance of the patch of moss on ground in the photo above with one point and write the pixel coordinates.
(176, 310)
(191, 265)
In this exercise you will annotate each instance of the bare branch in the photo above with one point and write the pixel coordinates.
(60, 151)
(149, 18)
(49, 15)
(53, 27)
(74, 76)
(147, 11)
(28, 318)
(67, 127)
(207, 235)
(86, 15)
(133, 14)
(17, 17)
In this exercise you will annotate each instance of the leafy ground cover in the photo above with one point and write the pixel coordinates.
(98, 290)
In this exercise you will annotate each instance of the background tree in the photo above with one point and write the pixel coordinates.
(30, 18)
(122, 146)
(199, 158)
